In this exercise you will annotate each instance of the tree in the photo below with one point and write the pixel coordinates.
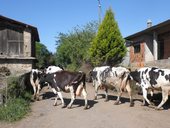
(72, 48)
(108, 46)
(43, 56)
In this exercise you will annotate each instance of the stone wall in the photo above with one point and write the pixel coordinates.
(17, 66)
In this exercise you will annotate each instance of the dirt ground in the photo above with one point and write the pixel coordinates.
(100, 114)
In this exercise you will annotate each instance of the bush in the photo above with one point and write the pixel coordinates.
(18, 100)
(14, 109)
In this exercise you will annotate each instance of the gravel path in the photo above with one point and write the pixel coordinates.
(101, 114)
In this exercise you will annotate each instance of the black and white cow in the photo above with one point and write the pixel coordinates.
(31, 79)
(66, 81)
(53, 69)
(152, 78)
(107, 77)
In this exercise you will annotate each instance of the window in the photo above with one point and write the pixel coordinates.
(11, 41)
(14, 42)
(137, 48)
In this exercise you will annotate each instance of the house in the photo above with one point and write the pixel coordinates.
(17, 45)
(149, 47)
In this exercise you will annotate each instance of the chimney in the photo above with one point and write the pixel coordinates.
(149, 23)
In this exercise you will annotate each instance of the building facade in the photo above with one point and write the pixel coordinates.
(150, 47)
(17, 45)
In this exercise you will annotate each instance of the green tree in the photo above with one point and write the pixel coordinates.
(72, 48)
(108, 46)
(43, 56)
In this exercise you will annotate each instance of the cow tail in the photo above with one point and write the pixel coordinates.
(124, 80)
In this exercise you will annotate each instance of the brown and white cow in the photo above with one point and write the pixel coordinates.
(152, 78)
(109, 77)
(66, 81)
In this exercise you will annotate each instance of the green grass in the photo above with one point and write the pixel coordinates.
(14, 110)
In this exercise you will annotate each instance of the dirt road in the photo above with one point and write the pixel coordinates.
(101, 114)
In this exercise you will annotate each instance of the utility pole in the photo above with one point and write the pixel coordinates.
(99, 5)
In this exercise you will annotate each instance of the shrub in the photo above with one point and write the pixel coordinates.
(14, 109)
(18, 100)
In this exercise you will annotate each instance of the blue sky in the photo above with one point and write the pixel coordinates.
(54, 16)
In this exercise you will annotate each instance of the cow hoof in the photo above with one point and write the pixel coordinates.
(69, 107)
(106, 100)
(95, 98)
(38, 99)
(55, 104)
(132, 104)
(86, 107)
(116, 103)
(158, 109)
(64, 106)
(151, 106)
(143, 104)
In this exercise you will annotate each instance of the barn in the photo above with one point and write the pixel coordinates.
(17, 45)
(149, 47)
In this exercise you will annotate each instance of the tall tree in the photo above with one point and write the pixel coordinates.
(108, 46)
(72, 48)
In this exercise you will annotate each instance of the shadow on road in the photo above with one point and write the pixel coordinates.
(77, 102)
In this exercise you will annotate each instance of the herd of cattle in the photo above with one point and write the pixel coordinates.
(105, 77)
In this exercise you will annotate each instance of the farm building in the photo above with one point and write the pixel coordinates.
(17, 45)
(150, 47)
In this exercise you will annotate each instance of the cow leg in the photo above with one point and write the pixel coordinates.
(38, 91)
(106, 94)
(96, 92)
(119, 95)
(34, 89)
(129, 90)
(55, 102)
(72, 97)
(84, 93)
(164, 98)
(145, 96)
(61, 98)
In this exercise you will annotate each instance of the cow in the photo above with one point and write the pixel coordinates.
(95, 76)
(67, 81)
(53, 69)
(152, 78)
(109, 77)
(31, 80)
(117, 77)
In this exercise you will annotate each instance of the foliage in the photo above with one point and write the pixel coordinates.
(108, 46)
(14, 110)
(43, 56)
(73, 47)
(18, 100)
(16, 89)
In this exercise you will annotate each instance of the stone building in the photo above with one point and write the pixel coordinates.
(17, 45)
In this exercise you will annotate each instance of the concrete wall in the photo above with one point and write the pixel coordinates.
(126, 59)
(149, 48)
(164, 63)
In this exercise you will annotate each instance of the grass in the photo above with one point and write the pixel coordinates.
(18, 101)
(14, 110)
